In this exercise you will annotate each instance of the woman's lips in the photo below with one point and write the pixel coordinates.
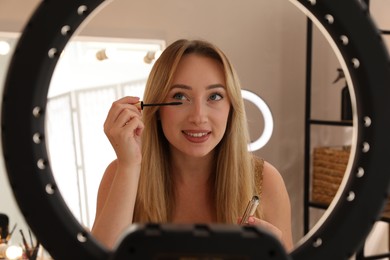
(197, 136)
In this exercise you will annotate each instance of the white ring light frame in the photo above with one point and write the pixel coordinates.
(268, 120)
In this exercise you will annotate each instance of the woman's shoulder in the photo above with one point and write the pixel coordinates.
(267, 176)
(276, 201)
(271, 176)
(273, 186)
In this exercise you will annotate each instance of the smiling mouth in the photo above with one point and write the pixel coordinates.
(196, 134)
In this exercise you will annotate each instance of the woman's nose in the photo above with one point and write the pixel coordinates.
(197, 112)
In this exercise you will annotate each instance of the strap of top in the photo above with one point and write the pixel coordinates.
(259, 165)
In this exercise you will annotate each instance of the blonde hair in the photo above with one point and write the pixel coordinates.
(234, 182)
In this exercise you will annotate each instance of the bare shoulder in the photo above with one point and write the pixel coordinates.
(271, 177)
(274, 188)
(276, 202)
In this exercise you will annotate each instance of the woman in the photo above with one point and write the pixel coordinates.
(187, 163)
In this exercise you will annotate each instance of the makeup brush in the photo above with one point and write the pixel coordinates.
(12, 231)
(141, 104)
(27, 248)
(4, 221)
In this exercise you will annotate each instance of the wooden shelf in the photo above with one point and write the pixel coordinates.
(309, 122)
(330, 122)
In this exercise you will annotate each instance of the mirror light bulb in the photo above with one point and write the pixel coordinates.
(4, 48)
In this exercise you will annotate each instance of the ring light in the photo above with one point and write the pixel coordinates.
(268, 120)
(359, 204)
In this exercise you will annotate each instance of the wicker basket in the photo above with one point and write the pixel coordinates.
(329, 165)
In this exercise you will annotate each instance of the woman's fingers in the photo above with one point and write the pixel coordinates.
(123, 128)
(135, 125)
(124, 121)
(128, 124)
(128, 100)
(125, 116)
(265, 225)
(126, 141)
(121, 111)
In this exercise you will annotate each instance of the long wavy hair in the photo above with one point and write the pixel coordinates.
(233, 182)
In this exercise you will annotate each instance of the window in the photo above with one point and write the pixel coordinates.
(90, 75)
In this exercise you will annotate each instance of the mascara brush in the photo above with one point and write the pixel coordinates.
(141, 104)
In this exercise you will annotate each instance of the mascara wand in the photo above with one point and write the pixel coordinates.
(141, 104)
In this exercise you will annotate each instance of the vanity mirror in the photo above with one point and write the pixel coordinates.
(82, 90)
(358, 204)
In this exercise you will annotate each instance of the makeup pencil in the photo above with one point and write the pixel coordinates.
(250, 209)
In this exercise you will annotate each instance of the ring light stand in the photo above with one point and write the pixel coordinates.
(358, 205)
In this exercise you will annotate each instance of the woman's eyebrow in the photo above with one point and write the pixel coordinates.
(182, 86)
(216, 86)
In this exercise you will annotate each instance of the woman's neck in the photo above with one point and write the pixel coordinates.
(192, 169)
(193, 180)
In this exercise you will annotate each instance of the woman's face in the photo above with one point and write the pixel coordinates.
(198, 125)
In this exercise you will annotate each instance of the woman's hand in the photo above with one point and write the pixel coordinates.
(118, 188)
(123, 127)
(266, 226)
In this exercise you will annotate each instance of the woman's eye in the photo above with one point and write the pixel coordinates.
(216, 97)
(179, 96)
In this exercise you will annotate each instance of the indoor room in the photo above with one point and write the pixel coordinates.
(301, 112)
